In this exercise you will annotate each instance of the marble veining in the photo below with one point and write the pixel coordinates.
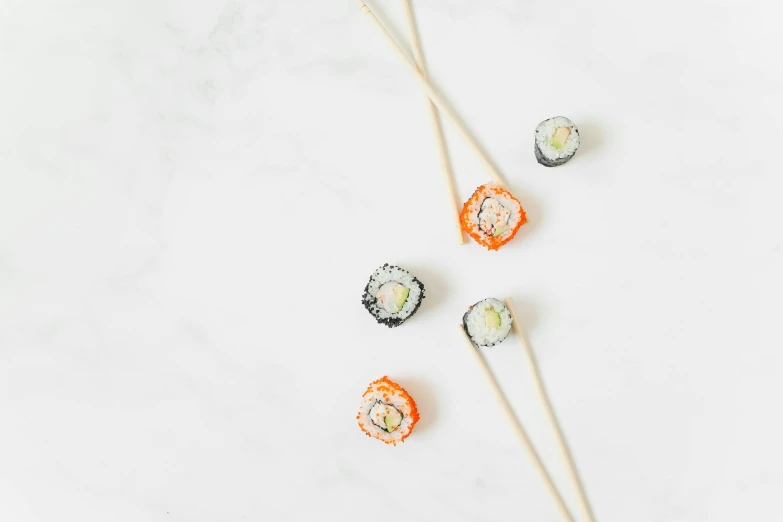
(192, 196)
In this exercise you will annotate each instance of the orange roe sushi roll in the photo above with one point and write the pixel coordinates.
(388, 412)
(492, 216)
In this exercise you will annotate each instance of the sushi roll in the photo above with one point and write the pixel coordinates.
(487, 322)
(556, 141)
(492, 216)
(392, 295)
(388, 412)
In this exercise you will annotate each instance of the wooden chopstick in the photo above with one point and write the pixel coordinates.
(550, 414)
(437, 130)
(433, 94)
(519, 430)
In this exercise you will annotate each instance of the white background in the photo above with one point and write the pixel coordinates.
(193, 194)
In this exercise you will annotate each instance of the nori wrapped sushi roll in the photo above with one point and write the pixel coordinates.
(556, 141)
(487, 322)
(392, 295)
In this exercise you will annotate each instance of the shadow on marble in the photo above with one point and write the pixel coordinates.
(527, 313)
(533, 212)
(591, 139)
(426, 402)
(435, 288)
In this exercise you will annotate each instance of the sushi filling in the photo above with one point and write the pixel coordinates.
(385, 416)
(492, 319)
(560, 137)
(493, 217)
(391, 296)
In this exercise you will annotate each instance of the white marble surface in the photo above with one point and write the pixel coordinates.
(192, 195)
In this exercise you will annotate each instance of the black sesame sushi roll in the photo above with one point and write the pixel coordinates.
(556, 141)
(487, 322)
(392, 295)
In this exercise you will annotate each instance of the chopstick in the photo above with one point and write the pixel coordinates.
(553, 422)
(436, 98)
(519, 430)
(437, 130)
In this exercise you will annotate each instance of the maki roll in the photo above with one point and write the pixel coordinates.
(492, 216)
(487, 322)
(392, 295)
(388, 412)
(556, 141)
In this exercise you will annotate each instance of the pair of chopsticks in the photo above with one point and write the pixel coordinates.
(519, 429)
(418, 69)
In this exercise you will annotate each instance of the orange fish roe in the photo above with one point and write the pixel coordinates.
(399, 399)
(496, 228)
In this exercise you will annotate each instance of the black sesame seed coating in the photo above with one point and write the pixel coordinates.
(369, 301)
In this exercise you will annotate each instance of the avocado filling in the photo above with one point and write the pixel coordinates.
(385, 416)
(560, 137)
(492, 319)
(391, 296)
(493, 217)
